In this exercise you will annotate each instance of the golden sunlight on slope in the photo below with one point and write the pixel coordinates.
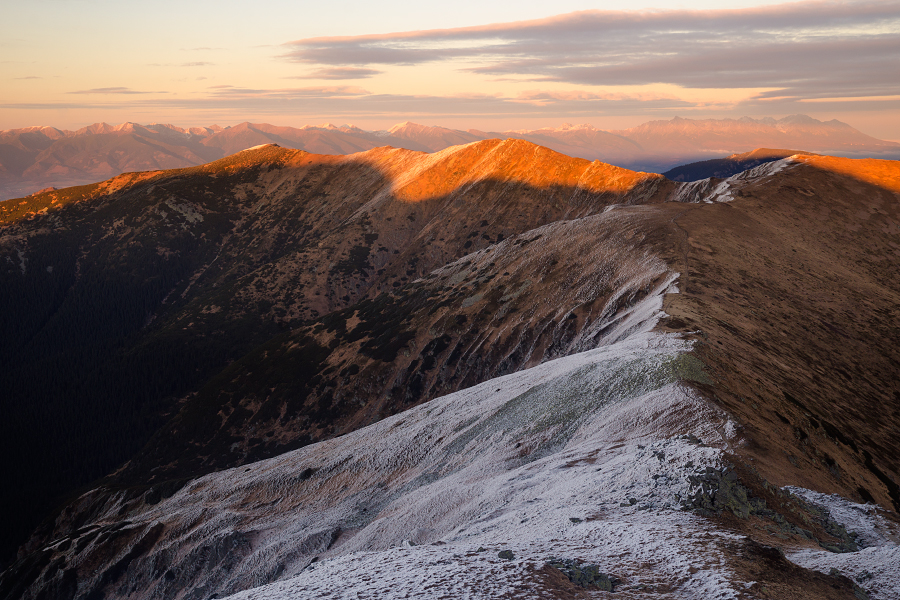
(411, 176)
(883, 173)
(417, 176)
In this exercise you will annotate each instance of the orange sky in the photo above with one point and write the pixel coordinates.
(494, 66)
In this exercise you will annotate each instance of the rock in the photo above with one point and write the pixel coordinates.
(584, 575)
(506, 554)
(715, 491)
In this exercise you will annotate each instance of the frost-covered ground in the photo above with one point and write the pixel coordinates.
(709, 191)
(585, 457)
(876, 567)
(577, 458)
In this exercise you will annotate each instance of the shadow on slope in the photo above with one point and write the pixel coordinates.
(122, 297)
(788, 291)
(726, 167)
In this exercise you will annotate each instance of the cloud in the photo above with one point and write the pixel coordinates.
(351, 102)
(114, 90)
(29, 77)
(339, 73)
(184, 64)
(647, 100)
(804, 49)
(334, 91)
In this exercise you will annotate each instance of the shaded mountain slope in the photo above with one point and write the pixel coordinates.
(793, 285)
(161, 279)
(796, 324)
(723, 168)
(557, 290)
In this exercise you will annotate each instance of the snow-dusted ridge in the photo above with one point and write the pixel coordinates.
(876, 567)
(586, 457)
(711, 190)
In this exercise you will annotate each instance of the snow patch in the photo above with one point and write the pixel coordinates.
(708, 191)
(865, 520)
(259, 146)
(876, 567)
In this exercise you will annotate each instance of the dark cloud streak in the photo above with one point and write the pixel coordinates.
(114, 90)
(338, 73)
(852, 48)
(349, 102)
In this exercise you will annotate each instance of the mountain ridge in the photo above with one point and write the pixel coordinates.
(242, 248)
(47, 156)
(276, 299)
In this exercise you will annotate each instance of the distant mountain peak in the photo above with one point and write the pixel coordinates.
(260, 146)
(406, 126)
(799, 119)
(324, 127)
(562, 128)
(409, 126)
(35, 159)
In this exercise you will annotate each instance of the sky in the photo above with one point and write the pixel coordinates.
(491, 65)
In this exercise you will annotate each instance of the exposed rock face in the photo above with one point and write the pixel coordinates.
(778, 351)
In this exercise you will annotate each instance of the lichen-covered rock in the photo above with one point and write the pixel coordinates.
(715, 491)
(584, 575)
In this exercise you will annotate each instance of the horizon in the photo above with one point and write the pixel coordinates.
(386, 129)
(339, 125)
(500, 68)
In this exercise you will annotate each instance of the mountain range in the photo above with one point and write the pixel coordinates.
(488, 370)
(35, 158)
